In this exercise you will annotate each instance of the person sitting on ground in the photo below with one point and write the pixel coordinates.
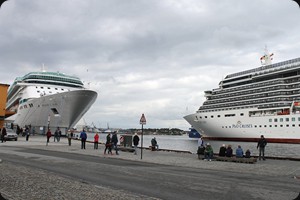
(229, 151)
(248, 154)
(239, 153)
(222, 151)
(208, 153)
(200, 151)
(154, 143)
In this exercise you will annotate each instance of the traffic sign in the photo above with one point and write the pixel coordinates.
(143, 119)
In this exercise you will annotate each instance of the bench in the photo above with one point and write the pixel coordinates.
(251, 160)
(152, 148)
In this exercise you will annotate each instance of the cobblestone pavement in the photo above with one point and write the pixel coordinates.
(38, 184)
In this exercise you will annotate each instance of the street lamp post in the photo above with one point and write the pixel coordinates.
(142, 122)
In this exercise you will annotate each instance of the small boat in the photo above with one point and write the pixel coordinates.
(193, 133)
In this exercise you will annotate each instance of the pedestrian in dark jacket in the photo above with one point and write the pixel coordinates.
(200, 151)
(48, 136)
(114, 140)
(27, 133)
(262, 143)
(83, 137)
(222, 151)
(3, 134)
(136, 140)
(229, 151)
(108, 144)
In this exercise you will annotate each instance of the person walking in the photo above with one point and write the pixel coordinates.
(114, 141)
(108, 144)
(96, 141)
(48, 136)
(18, 131)
(57, 134)
(83, 137)
(27, 133)
(136, 140)
(3, 134)
(261, 144)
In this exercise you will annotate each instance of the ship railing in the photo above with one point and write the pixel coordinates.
(295, 61)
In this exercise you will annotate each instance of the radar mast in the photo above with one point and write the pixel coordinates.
(267, 58)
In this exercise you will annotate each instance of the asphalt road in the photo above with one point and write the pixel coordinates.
(154, 180)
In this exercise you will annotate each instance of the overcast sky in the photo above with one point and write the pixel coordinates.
(145, 56)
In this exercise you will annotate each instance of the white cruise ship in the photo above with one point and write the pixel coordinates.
(261, 101)
(48, 99)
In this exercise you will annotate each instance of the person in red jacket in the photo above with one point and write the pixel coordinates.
(96, 141)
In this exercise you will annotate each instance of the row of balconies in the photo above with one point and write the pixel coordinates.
(255, 96)
(252, 102)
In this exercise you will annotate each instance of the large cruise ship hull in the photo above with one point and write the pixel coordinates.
(58, 110)
(239, 126)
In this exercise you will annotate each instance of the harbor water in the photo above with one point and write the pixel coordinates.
(184, 143)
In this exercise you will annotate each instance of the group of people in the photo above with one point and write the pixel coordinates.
(227, 151)
(26, 131)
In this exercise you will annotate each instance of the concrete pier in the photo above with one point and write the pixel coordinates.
(287, 169)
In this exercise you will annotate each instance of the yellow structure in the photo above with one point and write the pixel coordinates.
(3, 98)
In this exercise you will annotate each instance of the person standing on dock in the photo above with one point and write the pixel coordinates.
(114, 141)
(83, 137)
(136, 140)
(56, 135)
(96, 141)
(262, 143)
(200, 141)
(70, 135)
